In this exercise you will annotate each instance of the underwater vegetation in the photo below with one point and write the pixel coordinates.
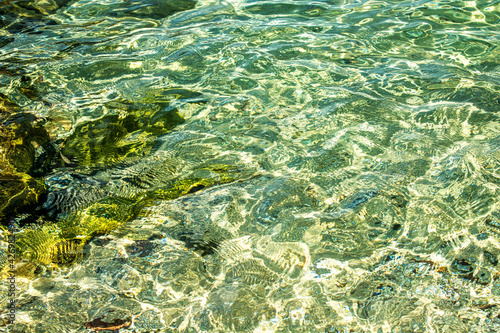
(20, 168)
(54, 244)
(152, 9)
(128, 134)
(113, 138)
(24, 16)
(59, 211)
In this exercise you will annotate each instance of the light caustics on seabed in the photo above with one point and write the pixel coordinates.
(251, 166)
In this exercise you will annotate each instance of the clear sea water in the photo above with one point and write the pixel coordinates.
(359, 141)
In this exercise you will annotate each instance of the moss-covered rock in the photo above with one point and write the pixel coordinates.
(60, 243)
(25, 16)
(20, 187)
(19, 193)
(187, 186)
(97, 219)
(130, 132)
(112, 139)
(6, 107)
(25, 8)
(203, 178)
(154, 9)
(20, 135)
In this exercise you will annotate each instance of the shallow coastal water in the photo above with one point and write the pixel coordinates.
(260, 166)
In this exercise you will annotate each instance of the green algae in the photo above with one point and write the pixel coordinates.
(187, 186)
(60, 243)
(113, 138)
(99, 218)
(166, 95)
(7, 106)
(18, 192)
(130, 132)
(21, 186)
(37, 244)
(218, 174)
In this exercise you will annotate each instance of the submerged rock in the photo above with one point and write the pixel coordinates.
(114, 176)
(112, 139)
(22, 7)
(99, 324)
(154, 9)
(100, 207)
(61, 242)
(19, 193)
(141, 248)
(21, 133)
(19, 16)
(6, 106)
(21, 187)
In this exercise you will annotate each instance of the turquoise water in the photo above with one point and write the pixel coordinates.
(254, 166)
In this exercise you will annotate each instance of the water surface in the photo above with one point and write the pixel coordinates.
(262, 166)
